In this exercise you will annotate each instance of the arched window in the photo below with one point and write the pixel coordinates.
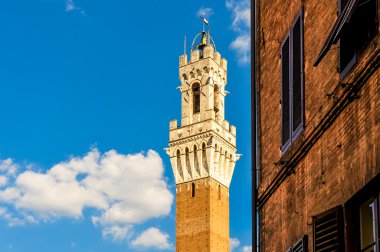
(216, 98)
(192, 190)
(196, 98)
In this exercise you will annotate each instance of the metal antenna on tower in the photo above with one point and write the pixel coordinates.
(205, 22)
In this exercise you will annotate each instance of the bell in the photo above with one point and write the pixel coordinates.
(203, 42)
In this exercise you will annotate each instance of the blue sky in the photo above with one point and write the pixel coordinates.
(87, 90)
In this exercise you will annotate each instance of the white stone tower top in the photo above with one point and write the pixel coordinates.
(204, 145)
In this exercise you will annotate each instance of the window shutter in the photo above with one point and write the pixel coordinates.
(285, 93)
(301, 245)
(328, 231)
(297, 74)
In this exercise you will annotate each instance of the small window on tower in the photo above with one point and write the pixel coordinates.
(219, 193)
(192, 190)
(196, 98)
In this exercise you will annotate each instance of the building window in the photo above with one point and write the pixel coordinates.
(328, 232)
(196, 98)
(369, 221)
(219, 193)
(299, 246)
(360, 29)
(192, 190)
(292, 83)
(355, 27)
(361, 214)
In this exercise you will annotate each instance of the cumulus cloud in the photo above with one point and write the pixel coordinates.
(241, 24)
(241, 14)
(8, 167)
(242, 45)
(205, 12)
(3, 180)
(247, 249)
(153, 238)
(125, 190)
(117, 233)
(234, 243)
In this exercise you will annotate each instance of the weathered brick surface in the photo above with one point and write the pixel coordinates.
(202, 223)
(345, 157)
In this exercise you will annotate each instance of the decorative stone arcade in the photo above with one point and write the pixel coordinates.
(202, 151)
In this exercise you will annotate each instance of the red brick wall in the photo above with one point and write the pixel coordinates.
(202, 222)
(344, 158)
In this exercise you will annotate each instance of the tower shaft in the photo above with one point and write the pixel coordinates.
(202, 216)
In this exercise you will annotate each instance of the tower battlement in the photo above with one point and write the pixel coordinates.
(208, 52)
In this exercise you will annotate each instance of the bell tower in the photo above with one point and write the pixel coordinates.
(202, 151)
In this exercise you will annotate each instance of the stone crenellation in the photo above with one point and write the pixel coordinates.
(205, 143)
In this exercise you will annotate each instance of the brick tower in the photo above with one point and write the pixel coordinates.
(202, 151)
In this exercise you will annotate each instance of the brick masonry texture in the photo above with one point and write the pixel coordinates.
(202, 220)
(345, 157)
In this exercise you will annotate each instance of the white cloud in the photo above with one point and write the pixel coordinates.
(247, 249)
(241, 24)
(242, 45)
(117, 233)
(153, 238)
(8, 167)
(3, 180)
(241, 14)
(125, 190)
(234, 243)
(205, 12)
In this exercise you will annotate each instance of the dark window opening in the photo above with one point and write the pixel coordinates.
(362, 215)
(369, 221)
(192, 190)
(355, 226)
(357, 33)
(219, 193)
(292, 84)
(196, 98)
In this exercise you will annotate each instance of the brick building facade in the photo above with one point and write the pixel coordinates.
(318, 132)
